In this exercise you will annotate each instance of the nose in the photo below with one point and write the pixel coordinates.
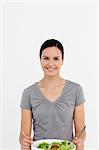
(50, 63)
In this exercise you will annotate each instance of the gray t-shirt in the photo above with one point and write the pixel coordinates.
(53, 120)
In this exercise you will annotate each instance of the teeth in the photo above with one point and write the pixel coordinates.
(50, 69)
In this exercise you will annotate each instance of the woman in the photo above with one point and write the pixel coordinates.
(54, 104)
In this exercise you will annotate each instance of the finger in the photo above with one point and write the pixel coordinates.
(25, 144)
(25, 147)
(80, 147)
(75, 140)
(29, 141)
(28, 137)
(79, 144)
(23, 133)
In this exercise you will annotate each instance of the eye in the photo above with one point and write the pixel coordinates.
(45, 57)
(56, 58)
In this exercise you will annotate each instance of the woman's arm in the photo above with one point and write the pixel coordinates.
(79, 123)
(26, 126)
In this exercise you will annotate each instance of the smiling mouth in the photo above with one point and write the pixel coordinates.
(51, 69)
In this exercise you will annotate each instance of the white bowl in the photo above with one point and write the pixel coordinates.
(36, 143)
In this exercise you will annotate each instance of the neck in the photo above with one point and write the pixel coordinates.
(51, 81)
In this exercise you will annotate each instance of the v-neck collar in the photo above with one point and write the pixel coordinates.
(57, 99)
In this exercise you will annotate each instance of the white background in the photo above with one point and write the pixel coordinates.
(24, 27)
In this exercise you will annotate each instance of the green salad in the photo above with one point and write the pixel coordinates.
(63, 145)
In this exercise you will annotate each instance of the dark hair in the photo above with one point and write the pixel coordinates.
(50, 43)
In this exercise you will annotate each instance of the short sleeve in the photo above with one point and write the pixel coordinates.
(25, 100)
(79, 96)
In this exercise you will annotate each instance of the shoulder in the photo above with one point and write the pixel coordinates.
(74, 84)
(30, 88)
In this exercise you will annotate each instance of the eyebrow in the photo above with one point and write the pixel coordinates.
(48, 56)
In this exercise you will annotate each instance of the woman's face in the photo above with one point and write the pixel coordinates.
(51, 61)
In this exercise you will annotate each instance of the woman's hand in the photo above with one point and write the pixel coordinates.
(25, 142)
(79, 143)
